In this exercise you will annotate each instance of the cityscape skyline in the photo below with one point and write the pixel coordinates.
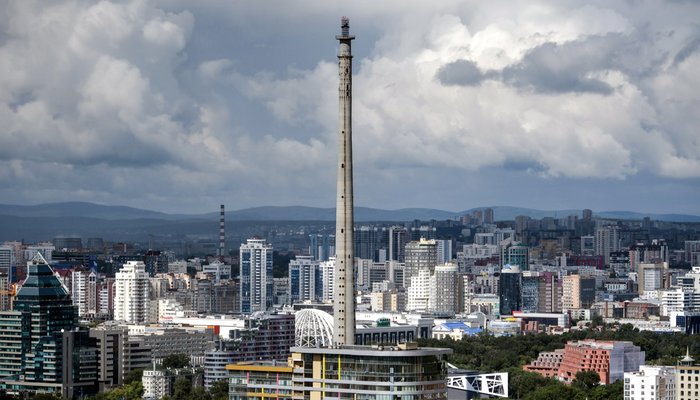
(548, 106)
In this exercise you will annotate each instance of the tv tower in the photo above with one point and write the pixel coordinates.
(222, 235)
(344, 306)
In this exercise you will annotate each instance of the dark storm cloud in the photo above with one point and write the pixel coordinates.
(461, 72)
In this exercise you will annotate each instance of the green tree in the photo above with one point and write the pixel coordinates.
(557, 391)
(219, 390)
(182, 388)
(586, 380)
(134, 375)
(177, 360)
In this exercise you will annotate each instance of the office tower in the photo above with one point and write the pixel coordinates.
(42, 348)
(509, 290)
(110, 349)
(423, 232)
(444, 251)
(321, 247)
(398, 237)
(446, 290)
(587, 246)
(305, 282)
(488, 216)
(549, 293)
(131, 293)
(222, 234)
(515, 253)
(365, 240)
(7, 259)
(607, 239)
(691, 253)
(344, 304)
(652, 277)
(530, 294)
(419, 254)
(95, 244)
(256, 276)
(577, 292)
(156, 262)
(67, 243)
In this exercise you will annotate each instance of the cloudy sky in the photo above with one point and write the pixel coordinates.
(179, 106)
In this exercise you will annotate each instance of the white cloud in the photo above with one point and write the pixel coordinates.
(196, 94)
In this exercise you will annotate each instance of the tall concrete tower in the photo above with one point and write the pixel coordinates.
(344, 306)
(222, 235)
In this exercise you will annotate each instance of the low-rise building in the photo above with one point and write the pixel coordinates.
(650, 383)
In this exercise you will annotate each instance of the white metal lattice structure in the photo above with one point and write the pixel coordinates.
(314, 328)
(488, 384)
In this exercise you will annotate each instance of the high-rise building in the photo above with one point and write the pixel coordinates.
(691, 253)
(42, 348)
(398, 237)
(366, 240)
(305, 282)
(420, 254)
(607, 239)
(652, 276)
(488, 216)
(131, 293)
(446, 290)
(7, 259)
(321, 247)
(577, 292)
(444, 251)
(515, 253)
(509, 290)
(256, 276)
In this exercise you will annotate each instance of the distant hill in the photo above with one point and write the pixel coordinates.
(88, 219)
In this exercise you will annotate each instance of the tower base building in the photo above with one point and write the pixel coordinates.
(346, 372)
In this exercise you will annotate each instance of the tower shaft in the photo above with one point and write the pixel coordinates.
(222, 234)
(344, 305)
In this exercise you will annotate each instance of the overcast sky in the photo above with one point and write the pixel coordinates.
(180, 106)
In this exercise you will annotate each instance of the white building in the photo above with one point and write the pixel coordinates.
(328, 279)
(217, 270)
(156, 383)
(419, 292)
(257, 287)
(677, 300)
(45, 249)
(131, 289)
(651, 383)
(304, 280)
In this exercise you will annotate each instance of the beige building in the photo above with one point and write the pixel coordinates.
(577, 292)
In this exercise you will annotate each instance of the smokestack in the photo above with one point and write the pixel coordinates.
(222, 235)
(344, 306)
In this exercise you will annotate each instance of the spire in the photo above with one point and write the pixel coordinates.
(687, 360)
